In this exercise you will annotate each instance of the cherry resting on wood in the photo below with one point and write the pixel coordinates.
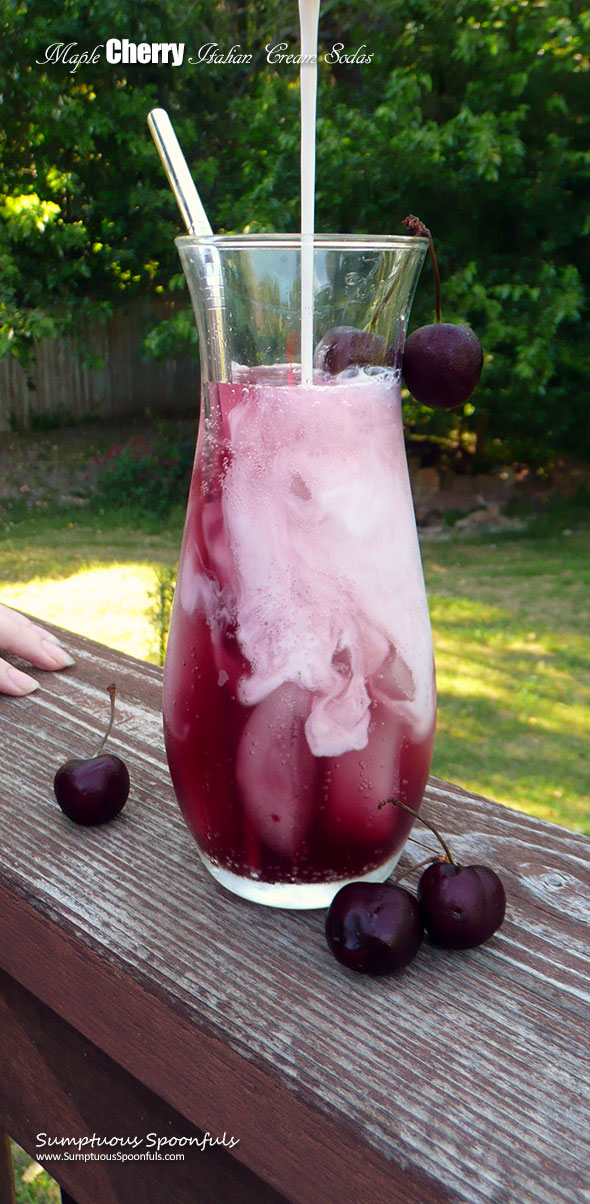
(95, 790)
(461, 905)
(377, 928)
(374, 927)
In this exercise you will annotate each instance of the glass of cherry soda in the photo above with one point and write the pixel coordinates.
(299, 686)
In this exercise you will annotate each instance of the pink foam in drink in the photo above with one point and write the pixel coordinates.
(299, 682)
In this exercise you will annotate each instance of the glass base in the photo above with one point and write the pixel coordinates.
(296, 896)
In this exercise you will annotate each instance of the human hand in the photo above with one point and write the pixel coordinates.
(19, 635)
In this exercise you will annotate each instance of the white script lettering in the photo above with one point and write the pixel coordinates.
(211, 52)
(122, 51)
(65, 52)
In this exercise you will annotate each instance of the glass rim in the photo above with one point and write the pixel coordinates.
(348, 242)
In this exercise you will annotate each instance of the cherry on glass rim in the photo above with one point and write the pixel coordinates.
(442, 362)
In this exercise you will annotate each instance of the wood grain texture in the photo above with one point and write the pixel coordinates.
(6, 1174)
(55, 1082)
(465, 1079)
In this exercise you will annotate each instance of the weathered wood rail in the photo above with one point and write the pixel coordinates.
(136, 996)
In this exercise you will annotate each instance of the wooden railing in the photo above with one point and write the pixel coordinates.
(137, 996)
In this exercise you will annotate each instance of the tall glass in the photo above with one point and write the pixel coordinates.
(299, 688)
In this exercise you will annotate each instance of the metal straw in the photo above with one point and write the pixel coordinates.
(176, 168)
(197, 224)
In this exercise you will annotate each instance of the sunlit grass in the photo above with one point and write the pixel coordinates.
(110, 605)
(97, 580)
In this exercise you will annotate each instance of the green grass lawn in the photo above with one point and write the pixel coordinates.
(510, 617)
(511, 623)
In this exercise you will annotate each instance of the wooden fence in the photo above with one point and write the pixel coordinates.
(59, 386)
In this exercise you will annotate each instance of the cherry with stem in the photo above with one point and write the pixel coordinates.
(443, 361)
(415, 226)
(461, 905)
(94, 790)
(111, 691)
(397, 803)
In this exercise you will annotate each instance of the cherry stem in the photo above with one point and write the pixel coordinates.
(417, 815)
(415, 226)
(415, 840)
(111, 691)
(418, 866)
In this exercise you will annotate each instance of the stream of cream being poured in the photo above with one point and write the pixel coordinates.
(309, 12)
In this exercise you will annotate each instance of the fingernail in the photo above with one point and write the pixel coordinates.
(52, 639)
(25, 683)
(58, 654)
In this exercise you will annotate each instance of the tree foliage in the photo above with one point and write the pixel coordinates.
(475, 115)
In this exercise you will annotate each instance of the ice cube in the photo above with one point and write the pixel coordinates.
(339, 717)
(217, 544)
(359, 781)
(276, 771)
(393, 681)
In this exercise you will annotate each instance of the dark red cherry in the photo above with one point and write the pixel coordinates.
(374, 927)
(461, 905)
(95, 790)
(345, 347)
(442, 364)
